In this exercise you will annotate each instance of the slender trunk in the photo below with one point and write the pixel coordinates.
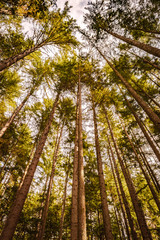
(63, 207)
(145, 60)
(143, 170)
(74, 209)
(82, 234)
(151, 143)
(17, 207)
(155, 75)
(146, 31)
(146, 47)
(28, 164)
(152, 80)
(11, 60)
(136, 202)
(15, 113)
(120, 201)
(126, 204)
(148, 167)
(152, 115)
(42, 204)
(46, 206)
(118, 218)
(148, 95)
(105, 210)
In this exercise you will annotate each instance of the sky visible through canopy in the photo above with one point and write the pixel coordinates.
(77, 10)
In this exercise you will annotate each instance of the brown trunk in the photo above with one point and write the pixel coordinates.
(42, 205)
(74, 209)
(63, 207)
(152, 145)
(152, 80)
(143, 171)
(148, 167)
(126, 204)
(145, 60)
(82, 234)
(105, 210)
(11, 60)
(28, 164)
(136, 202)
(13, 217)
(152, 115)
(118, 218)
(15, 113)
(147, 48)
(148, 95)
(146, 31)
(46, 206)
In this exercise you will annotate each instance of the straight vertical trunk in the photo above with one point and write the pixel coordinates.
(82, 234)
(74, 209)
(149, 140)
(105, 210)
(11, 60)
(46, 206)
(126, 204)
(155, 197)
(63, 207)
(136, 202)
(13, 216)
(146, 47)
(152, 115)
(15, 113)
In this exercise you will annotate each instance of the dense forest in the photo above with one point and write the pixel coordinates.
(80, 121)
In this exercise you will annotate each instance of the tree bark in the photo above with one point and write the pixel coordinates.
(126, 204)
(74, 209)
(136, 202)
(152, 145)
(63, 206)
(124, 200)
(145, 60)
(82, 234)
(46, 206)
(13, 216)
(152, 115)
(105, 210)
(146, 47)
(11, 60)
(143, 170)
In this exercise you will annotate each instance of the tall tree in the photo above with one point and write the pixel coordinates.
(17, 206)
(105, 210)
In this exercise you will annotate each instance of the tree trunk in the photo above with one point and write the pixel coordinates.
(136, 202)
(152, 115)
(13, 217)
(46, 206)
(152, 145)
(74, 209)
(105, 210)
(124, 201)
(143, 170)
(82, 234)
(146, 47)
(148, 95)
(145, 60)
(63, 206)
(11, 60)
(15, 113)
(126, 204)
